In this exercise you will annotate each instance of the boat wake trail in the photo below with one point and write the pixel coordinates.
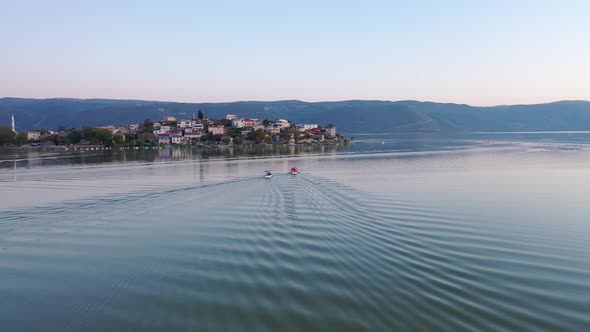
(289, 253)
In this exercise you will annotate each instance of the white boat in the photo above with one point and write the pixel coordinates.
(267, 175)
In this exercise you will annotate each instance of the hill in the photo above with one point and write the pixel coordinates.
(353, 116)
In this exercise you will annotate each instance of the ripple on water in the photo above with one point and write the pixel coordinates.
(292, 253)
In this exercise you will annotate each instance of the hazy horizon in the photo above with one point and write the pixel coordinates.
(457, 52)
(300, 100)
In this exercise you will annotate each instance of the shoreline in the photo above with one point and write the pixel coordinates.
(164, 147)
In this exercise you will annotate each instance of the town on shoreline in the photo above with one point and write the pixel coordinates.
(172, 132)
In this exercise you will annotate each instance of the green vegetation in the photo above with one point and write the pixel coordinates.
(148, 126)
(7, 136)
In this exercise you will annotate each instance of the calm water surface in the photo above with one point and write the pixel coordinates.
(483, 232)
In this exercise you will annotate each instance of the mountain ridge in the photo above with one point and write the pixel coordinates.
(354, 116)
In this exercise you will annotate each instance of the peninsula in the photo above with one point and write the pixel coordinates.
(170, 131)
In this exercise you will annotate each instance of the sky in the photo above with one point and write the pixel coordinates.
(475, 52)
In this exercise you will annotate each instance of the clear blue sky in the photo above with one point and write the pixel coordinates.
(476, 52)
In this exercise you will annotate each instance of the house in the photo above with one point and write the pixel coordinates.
(121, 129)
(164, 139)
(177, 139)
(183, 123)
(33, 135)
(308, 126)
(231, 117)
(169, 138)
(282, 123)
(331, 130)
(168, 119)
(217, 130)
(272, 130)
(237, 123)
(163, 129)
(250, 122)
(315, 131)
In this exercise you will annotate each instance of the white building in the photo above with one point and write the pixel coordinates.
(282, 123)
(231, 117)
(217, 130)
(331, 131)
(183, 123)
(308, 126)
(273, 130)
(164, 139)
(237, 123)
(33, 135)
(176, 139)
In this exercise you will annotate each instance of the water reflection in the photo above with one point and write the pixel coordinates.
(38, 158)
(482, 238)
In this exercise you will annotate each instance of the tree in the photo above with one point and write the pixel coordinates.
(234, 132)
(226, 140)
(226, 123)
(201, 116)
(62, 140)
(206, 137)
(148, 126)
(6, 135)
(104, 136)
(119, 139)
(21, 138)
(286, 134)
(259, 135)
(89, 134)
(266, 122)
(75, 136)
(49, 139)
(238, 140)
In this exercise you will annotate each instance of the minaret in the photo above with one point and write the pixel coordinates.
(13, 128)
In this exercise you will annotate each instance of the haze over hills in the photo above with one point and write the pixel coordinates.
(353, 116)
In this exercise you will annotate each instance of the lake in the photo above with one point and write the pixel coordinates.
(404, 232)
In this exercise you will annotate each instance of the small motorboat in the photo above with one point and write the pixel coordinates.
(267, 174)
(294, 171)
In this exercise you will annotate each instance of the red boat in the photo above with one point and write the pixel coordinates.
(294, 171)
